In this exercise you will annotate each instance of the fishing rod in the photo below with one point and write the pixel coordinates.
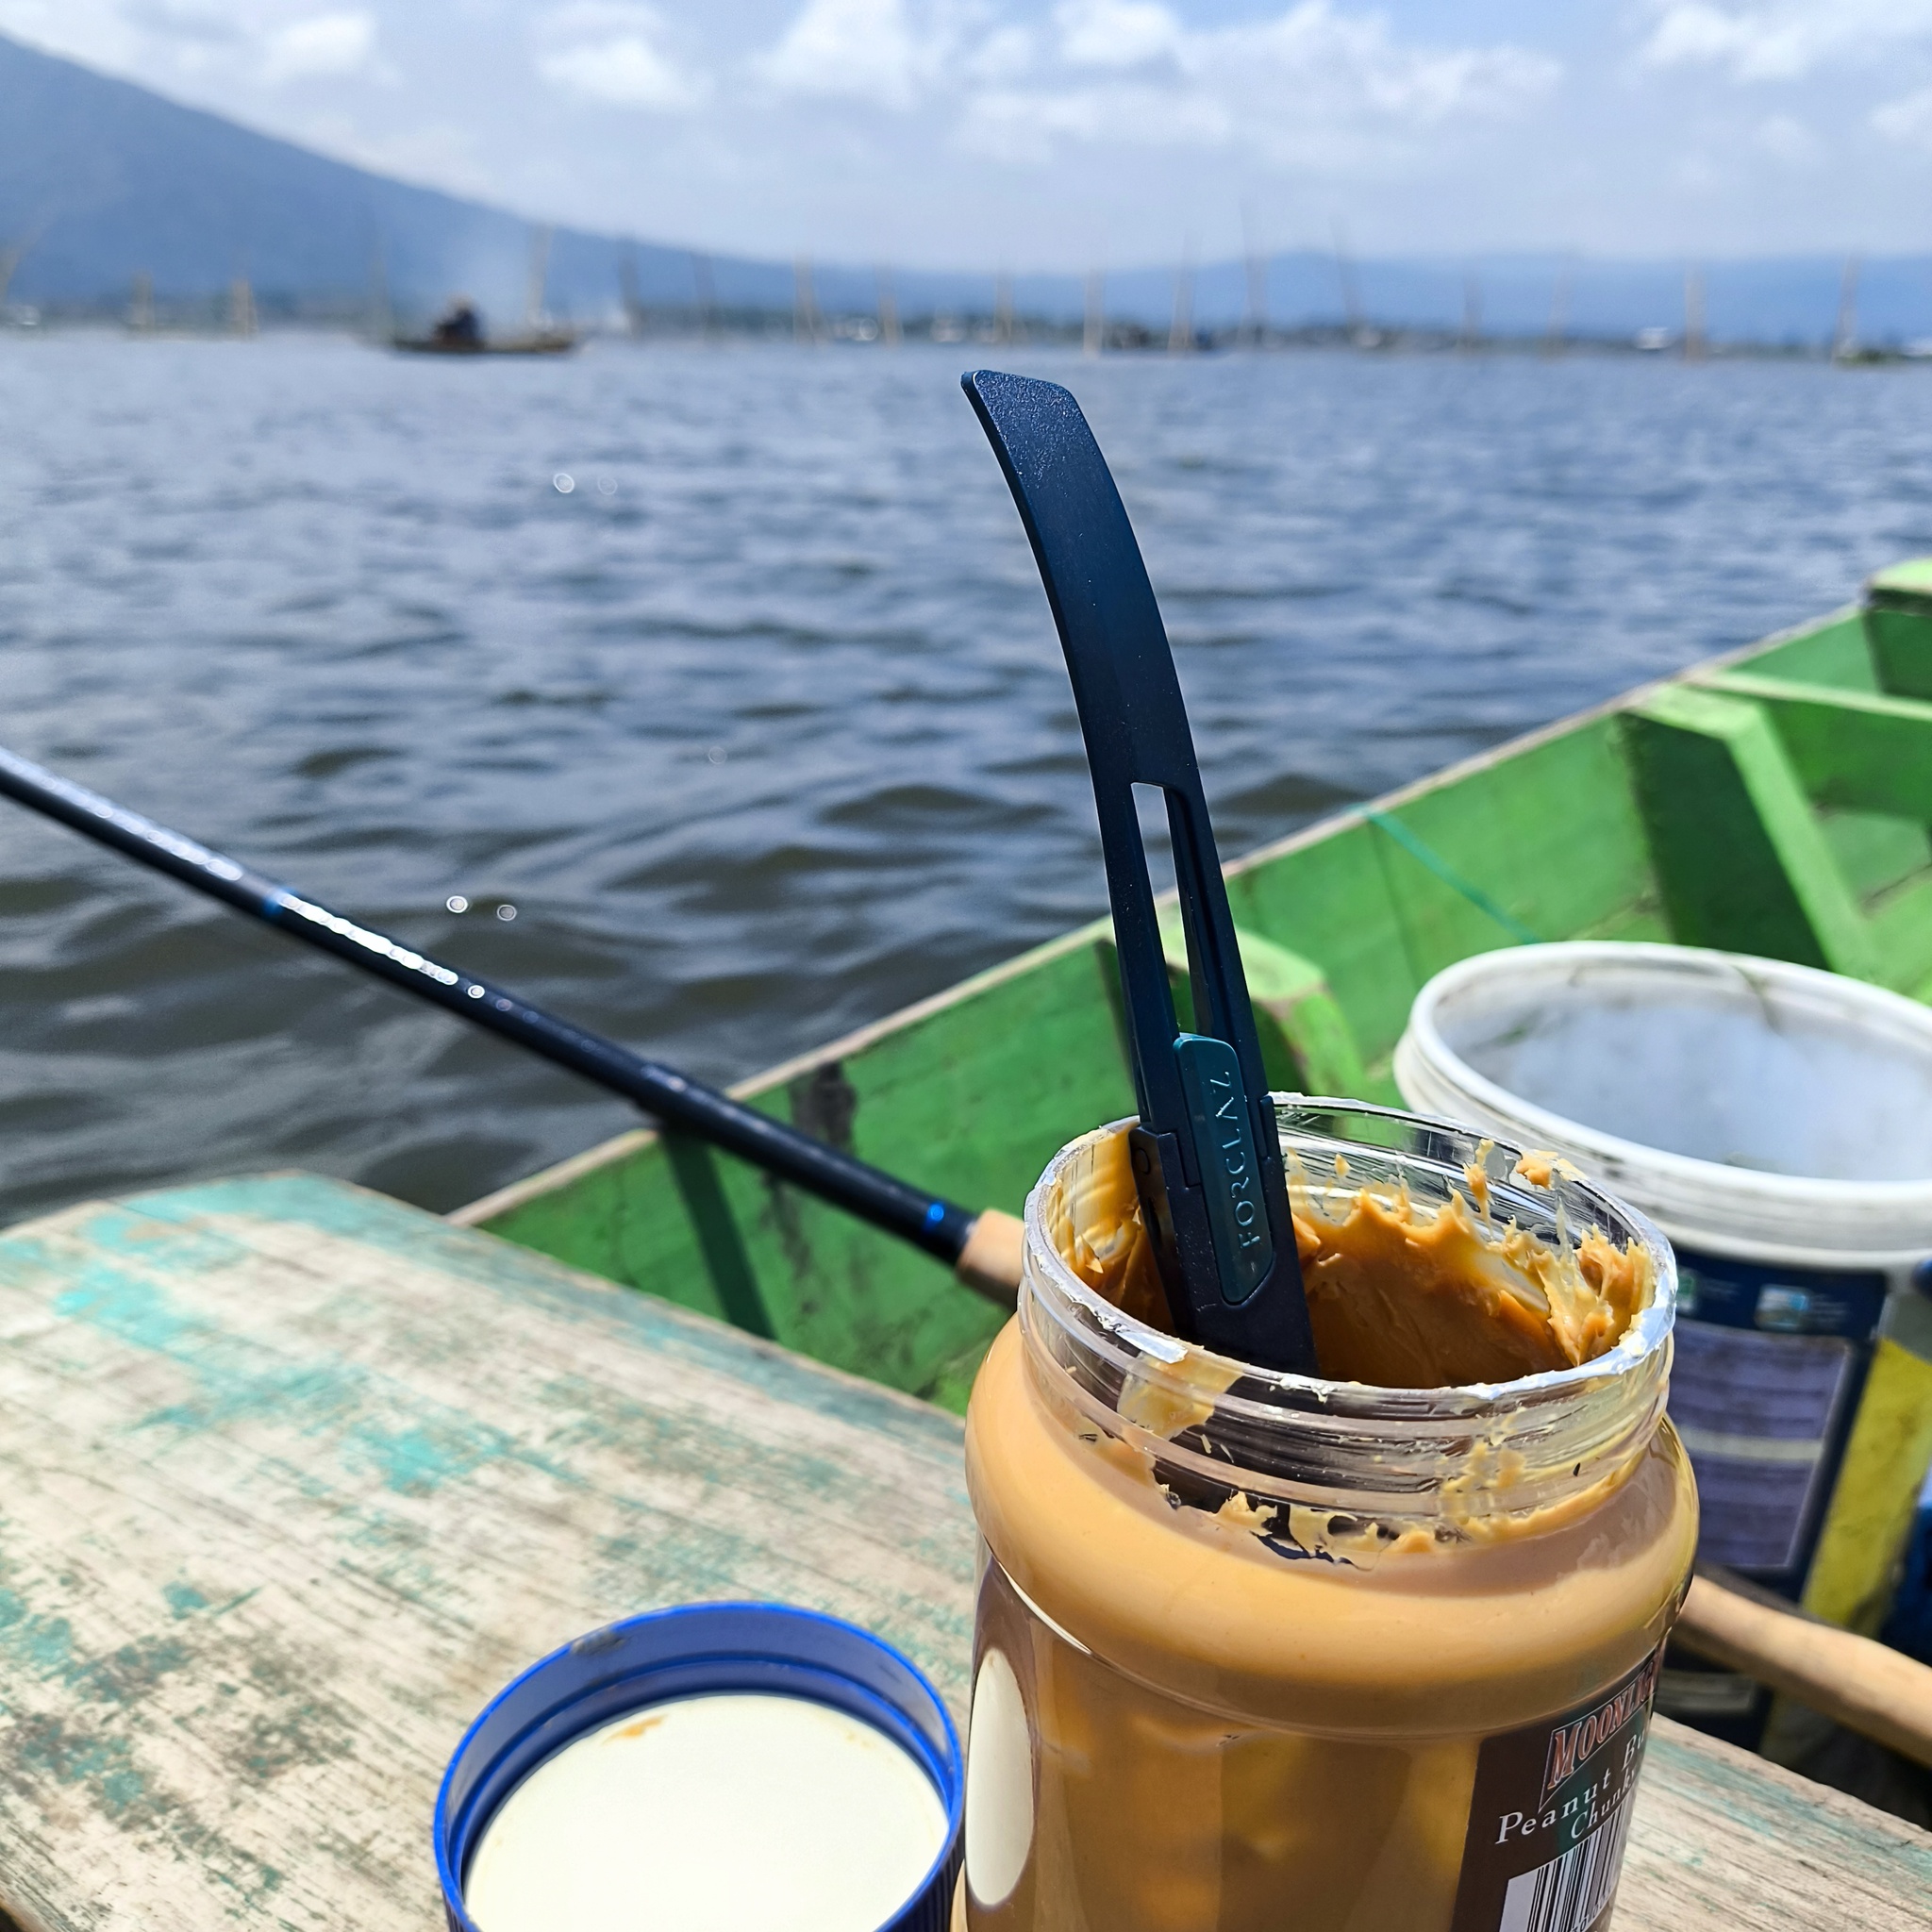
(1851, 1678)
(982, 1249)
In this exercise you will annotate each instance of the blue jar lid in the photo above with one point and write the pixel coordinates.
(698, 1650)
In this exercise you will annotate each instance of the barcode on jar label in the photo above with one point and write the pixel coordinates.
(1549, 1812)
(1572, 1890)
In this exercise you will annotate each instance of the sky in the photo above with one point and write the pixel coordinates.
(1070, 134)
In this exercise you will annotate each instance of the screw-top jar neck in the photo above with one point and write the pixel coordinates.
(1349, 1469)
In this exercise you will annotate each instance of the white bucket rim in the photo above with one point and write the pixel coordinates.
(1694, 1200)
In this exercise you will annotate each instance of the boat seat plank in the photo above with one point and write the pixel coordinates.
(293, 1477)
(1857, 750)
(1743, 860)
(1837, 652)
(1864, 761)
(1327, 901)
(1898, 628)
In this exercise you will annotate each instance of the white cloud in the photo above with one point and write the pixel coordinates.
(626, 71)
(1005, 53)
(1784, 40)
(866, 50)
(1907, 120)
(323, 46)
(1788, 139)
(245, 43)
(614, 54)
(1310, 86)
(1116, 33)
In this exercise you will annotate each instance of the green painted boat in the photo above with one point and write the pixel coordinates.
(1772, 801)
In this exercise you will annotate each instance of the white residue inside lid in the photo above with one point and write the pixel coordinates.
(711, 1814)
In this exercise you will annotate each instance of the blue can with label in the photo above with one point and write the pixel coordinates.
(724, 1764)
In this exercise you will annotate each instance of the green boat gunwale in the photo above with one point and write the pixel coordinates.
(500, 1200)
(1688, 817)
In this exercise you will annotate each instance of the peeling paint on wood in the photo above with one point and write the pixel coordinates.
(293, 1477)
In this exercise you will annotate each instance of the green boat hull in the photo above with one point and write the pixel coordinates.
(1775, 801)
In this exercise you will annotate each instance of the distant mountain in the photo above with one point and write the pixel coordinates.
(104, 180)
(109, 179)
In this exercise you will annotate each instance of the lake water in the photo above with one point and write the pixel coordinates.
(760, 726)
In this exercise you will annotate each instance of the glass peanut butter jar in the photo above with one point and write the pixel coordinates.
(1371, 1653)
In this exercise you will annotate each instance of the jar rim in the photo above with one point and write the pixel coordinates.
(1644, 1339)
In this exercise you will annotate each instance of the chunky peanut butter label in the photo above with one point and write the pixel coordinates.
(1550, 1814)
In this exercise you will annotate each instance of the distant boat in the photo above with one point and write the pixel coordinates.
(458, 331)
(550, 341)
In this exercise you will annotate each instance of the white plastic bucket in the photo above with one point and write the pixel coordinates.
(1776, 1122)
(1747, 1106)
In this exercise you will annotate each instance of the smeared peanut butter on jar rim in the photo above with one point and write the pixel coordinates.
(1254, 1649)
(1402, 1294)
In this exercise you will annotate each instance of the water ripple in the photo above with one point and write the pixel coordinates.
(762, 727)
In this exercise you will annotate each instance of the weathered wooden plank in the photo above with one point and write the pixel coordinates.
(292, 1477)
(1723, 1838)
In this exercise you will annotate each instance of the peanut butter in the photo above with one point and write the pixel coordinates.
(1257, 1703)
(1401, 1295)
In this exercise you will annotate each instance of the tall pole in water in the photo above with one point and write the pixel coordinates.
(1180, 334)
(382, 325)
(534, 296)
(1255, 320)
(140, 307)
(1844, 340)
(242, 319)
(1093, 334)
(1693, 313)
(889, 310)
(1560, 311)
(1350, 292)
(1003, 308)
(707, 295)
(12, 256)
(1471, 338)
(627, 288)
(804, 307)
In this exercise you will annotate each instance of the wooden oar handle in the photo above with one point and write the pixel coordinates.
(1864, 1686)
(990, 1261)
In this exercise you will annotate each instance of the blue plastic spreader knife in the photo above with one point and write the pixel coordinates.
(1206, 1157)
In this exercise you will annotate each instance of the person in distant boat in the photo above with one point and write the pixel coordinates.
(459, 326)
